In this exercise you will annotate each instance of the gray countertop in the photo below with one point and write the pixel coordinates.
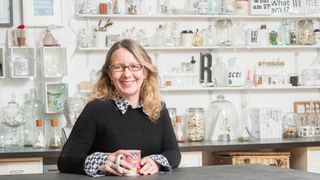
(287, 143)
(225, 172)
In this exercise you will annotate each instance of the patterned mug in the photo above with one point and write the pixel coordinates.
(134, 159)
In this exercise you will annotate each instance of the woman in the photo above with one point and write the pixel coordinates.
(127, 113)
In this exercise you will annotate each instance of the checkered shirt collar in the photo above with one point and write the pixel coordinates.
(123, 104)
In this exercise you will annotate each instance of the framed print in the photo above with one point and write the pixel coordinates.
(40, 13)
(6, 15)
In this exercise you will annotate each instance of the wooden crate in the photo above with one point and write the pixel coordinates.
(279, 159)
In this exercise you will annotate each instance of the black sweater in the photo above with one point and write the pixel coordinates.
(101, 127)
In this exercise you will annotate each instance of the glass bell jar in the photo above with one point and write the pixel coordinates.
(12, 117)
(222, 122)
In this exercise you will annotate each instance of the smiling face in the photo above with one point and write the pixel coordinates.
(127, 83)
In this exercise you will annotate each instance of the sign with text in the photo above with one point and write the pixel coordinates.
(260, 7)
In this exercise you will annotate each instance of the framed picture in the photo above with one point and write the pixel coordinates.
(41, 13)
(6, 15)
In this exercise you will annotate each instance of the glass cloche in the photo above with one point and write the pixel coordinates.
(222, 122)
(13, 118)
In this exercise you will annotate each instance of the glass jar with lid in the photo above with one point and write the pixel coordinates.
(12, 117)
(222, 120)
(305, 32)
(225, 31)
(195, 124)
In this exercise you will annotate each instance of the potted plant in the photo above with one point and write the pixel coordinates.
(20, 35)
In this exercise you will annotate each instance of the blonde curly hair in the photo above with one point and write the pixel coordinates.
(149, 93)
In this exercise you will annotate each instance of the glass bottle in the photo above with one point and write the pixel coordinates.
(39, 141)
(284, 34)
(164, 7)
(234, 73)
(132, 7)
(172, 114)
(55, 141)
(195, 125)
(180, 135)
(228, 7)
(33, 110)
(263, 35)
(220, 73)
(84, 38)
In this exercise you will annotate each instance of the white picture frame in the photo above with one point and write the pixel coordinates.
(6, 14)
(42, 13)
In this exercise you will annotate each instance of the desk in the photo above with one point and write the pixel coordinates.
(226, 172)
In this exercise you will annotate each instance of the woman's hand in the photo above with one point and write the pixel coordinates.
(149, 167)
(110, 164)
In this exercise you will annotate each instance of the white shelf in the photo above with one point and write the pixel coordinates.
(23, 60)
(125, 16)
(170, 89)
(54, 60)
(213, 48)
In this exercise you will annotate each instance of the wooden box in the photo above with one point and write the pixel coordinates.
(279, 159)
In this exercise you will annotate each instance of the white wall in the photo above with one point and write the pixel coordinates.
(80, 63)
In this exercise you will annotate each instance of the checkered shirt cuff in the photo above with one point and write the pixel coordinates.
(93, 164)
(163, 161)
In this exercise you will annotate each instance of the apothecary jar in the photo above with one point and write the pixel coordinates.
(305, 32)
(195, 125)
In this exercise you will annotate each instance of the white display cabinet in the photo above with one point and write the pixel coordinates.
(2, 64)
(54, 61)
(306, 159)
(22, 62)
(55, 95)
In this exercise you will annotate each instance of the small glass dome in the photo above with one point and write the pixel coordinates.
(222, 120)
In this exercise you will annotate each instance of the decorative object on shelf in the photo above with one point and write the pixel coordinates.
(20, 67)
(266, 122)
(39, 140)
(33, 110)
(186, 38)
(222, 122)
(198, 39)
(164, 7)
(12, 116)
(260, 7)
(290, 125)
(172, 114)
(220, 73)
(245, 135)
(20, 35)
(273, 35)
(309, 118)
(6, 18)
(228, 7)
(179, 130)
(305, 32)
(55, 140)
(225, 32)
(100, 34)
(195, 124)
(263, 35)
(284, 33)
(132, 7)
(242, 7)
(317, 36)
(235, 77)
(54, 100)
(38, 13)
(103, 8)
(48, 39)
(311, 75)
(73, 106)
(252, 37)
(203, 7)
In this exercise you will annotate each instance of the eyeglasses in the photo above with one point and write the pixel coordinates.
(121, 67)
